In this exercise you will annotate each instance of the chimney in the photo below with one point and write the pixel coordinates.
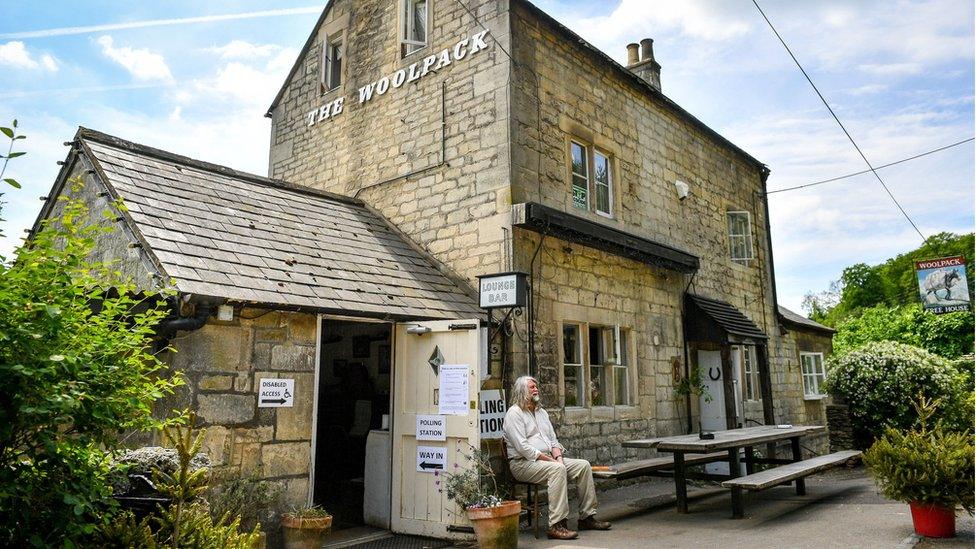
(645, 67)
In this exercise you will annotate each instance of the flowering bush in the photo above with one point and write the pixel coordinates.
(881, 380)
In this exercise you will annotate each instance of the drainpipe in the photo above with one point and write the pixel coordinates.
(684, 337)
(169, 326)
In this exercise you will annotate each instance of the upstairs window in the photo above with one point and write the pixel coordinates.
(581, 176)
(591, 177)
(740, 237)
(813, 374)
(413, 32)
(331, 77)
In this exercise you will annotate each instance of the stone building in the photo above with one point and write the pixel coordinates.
(419, 144)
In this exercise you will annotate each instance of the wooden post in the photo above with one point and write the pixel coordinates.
(801, 485)
(680, 486)
(734, 472)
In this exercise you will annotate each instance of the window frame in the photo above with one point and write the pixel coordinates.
(328, 71)
(747, 237)
(409, 46)
(749, 365)
(613, 366)
(817, 376)
(573, 174)
(596, 184)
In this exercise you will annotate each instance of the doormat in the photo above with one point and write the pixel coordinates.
(405, 542)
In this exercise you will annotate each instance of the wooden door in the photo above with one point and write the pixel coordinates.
(419, 505)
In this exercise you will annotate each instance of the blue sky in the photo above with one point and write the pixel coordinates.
(196, 78)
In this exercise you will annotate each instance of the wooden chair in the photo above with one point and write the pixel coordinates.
(531, 490)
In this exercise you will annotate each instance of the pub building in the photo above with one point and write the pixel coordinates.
(327, 316)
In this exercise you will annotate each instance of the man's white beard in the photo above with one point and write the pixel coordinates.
(534, 399)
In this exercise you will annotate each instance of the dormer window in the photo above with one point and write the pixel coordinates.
(413, 32)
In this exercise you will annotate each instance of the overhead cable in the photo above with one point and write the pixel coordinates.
(836, 119)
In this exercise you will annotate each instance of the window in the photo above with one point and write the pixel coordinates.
(413, 33)
(331, 77)
(600, 376)
(812, 367)
(750, 372)
(591, 176)
(740, 237)
(601, 179)
(573, 364)
(581, 176)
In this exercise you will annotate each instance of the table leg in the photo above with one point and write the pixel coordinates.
(750, 466)
(680, 485)
(801, 485)
(735, 471)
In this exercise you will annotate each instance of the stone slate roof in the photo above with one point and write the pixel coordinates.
(227, 234)
(801, 321)
(728, 317)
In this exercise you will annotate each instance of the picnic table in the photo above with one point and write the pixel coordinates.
(731, 441)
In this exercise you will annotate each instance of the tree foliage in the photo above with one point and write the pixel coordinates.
(880, 302)
(78, 371)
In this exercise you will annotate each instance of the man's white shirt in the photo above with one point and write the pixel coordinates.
(529, 434)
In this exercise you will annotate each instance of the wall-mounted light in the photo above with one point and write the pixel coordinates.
(682, 189)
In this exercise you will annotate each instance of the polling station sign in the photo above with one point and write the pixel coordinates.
(942, 284)
(492, 413)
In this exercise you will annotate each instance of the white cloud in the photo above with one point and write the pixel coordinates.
(15, 54)
(891, 69)
(141, 63)
(240, 49)
(251, 85)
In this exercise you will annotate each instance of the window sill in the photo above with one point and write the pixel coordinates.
(814, 397)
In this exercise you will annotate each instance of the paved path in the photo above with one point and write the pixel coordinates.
(842, 508)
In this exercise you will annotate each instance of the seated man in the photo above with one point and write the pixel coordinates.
(535, 456)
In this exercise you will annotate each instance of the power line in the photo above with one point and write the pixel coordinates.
(839, 123)
(903, 160)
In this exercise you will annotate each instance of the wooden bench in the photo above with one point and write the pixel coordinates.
(646, 467)
(795, 471)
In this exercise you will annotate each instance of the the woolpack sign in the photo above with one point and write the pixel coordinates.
(942, 284)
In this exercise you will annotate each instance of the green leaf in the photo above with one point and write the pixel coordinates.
(16, 154)
(8, 132)
(56, 358)
(12, 182)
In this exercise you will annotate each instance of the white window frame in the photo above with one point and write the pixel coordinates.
(597, 184)
(814, 376)
(749, 359)
(746, 238)
(580, 366)
(574, 174)
(328, 72)
(409, 46)
(613, 365)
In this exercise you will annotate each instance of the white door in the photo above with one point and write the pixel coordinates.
(419, 505)
(712, 401)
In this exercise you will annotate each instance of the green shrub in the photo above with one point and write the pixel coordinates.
(880, 381)
(78, 370)
(929, 466)
(948, 335)
(251, 498)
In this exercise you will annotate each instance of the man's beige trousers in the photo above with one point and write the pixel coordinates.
(555, 475)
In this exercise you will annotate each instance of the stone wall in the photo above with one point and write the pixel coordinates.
(388, 151)
(223, 363)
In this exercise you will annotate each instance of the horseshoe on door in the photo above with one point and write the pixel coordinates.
(715, 377)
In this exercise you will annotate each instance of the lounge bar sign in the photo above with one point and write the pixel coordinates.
(501, 290)
(463, 49)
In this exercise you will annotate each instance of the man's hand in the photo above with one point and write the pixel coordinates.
(545, 457)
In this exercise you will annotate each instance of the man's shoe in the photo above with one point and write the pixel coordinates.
(590, 523)
(559, 531)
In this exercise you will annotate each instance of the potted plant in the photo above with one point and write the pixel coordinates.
(931, 469)
(475, 489)
(306, 527)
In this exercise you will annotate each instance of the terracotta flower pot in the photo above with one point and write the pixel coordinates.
(305, 533)
(496, 527)
(933, 521)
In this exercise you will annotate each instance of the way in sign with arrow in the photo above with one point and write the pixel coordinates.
(431, 458)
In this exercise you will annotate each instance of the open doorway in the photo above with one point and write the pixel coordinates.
(352, 443)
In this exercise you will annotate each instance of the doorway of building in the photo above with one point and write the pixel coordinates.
(352, 456)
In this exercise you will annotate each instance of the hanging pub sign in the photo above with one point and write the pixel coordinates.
(501, 290)
(942, 284)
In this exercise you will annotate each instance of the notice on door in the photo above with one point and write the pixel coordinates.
(453, 400)
(276, 393)
(492, 417)
(431, 458)
(430, 428)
